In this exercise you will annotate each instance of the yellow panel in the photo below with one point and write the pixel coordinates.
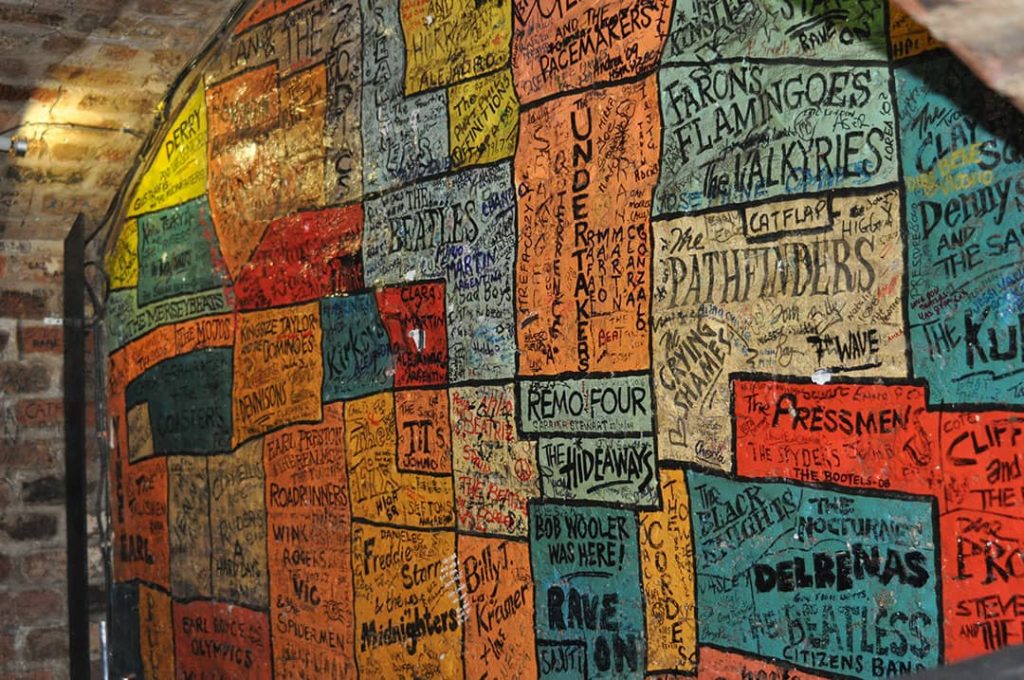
(908, 37)
(122, 264)
(178, 172)
(666, 553)
(483, 119)
(448, 41)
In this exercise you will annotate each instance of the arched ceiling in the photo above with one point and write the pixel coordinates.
(82, 81)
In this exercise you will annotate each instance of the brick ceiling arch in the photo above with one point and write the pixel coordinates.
(83, 82)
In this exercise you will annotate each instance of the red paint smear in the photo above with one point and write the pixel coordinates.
(303, 257)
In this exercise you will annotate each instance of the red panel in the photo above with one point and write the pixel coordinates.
(859, 436)
(303, 257)
(982, 530)
(217, 640)
(414, 317)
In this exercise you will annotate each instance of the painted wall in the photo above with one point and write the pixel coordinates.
(556, 339)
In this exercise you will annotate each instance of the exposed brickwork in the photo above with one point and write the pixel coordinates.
(44, 566)
(48, 489)
(30, 526)
(33, 557)
(33, 628)
(99, 63)
(105, 65)
(22, 378)
(41, 454)
(21, 304)
(47, 643)
(41, 339)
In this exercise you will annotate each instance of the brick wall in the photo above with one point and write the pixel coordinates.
(33, 626)
(82, 81)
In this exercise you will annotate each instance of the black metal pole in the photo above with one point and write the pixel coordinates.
(74, 450)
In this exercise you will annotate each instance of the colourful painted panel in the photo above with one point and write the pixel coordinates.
(738, 132)
(178, 253)
(587, 578)
(964, 170)
(186, 410)
(178, 171)
(563, 339)
(829, 581)
(833, 30)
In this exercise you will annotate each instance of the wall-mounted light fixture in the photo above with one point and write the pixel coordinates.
(12, 145)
